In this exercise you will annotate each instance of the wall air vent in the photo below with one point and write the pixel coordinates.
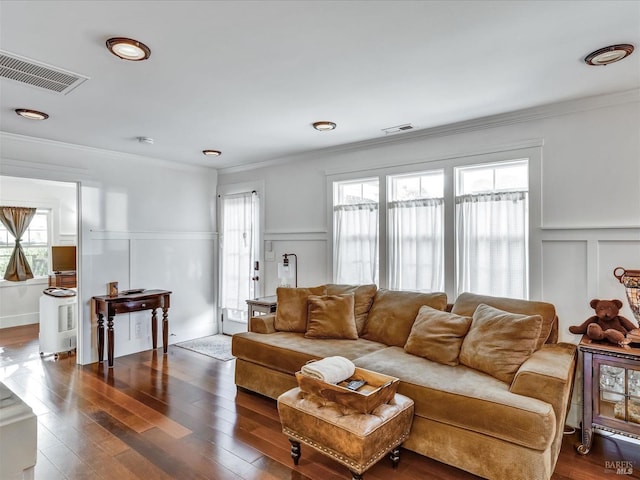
(24, 70)
(397, 129)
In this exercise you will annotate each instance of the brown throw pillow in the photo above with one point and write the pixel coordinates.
(331, 316)
(291, 312)
(437, 335)
(364, 295)
(467, 302)
(499, 342)
(393, 313)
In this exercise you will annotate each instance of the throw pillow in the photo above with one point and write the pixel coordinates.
(364, 295)
(466, 304)
(393, 313)
(331, 316)
(437, 335)
(291, 312)
(499, 342)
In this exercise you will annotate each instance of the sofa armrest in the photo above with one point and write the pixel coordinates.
(548, 375)
(263, 323)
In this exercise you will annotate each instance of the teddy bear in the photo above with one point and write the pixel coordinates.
(606, 323)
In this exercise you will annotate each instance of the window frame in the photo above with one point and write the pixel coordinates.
(50, 214)
(532, 153)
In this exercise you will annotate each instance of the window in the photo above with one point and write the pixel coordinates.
(355, 231)
(416, 231)
(461, 226)
(35, 243)
(492, 229)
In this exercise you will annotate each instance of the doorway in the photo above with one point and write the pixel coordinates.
(239, 257)
(55, 224)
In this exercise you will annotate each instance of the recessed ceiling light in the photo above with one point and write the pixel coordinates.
(128, 49)
(31, 114)
(214, 153)
(607, 55)
(324, 126)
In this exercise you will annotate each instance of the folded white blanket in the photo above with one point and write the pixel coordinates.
(330, 369)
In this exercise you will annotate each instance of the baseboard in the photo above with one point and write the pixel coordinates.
(19, 320)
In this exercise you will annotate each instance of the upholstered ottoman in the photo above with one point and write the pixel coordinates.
(354, 439)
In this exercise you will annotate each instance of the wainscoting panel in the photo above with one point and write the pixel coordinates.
(565, 274)
(577, 266)
(182, 265)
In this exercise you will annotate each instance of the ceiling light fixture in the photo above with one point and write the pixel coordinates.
(31, 114)
(605, 56)
(214, 153)
(128, 49)
(324, 126)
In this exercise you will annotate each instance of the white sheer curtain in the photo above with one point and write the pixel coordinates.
(356, 243)
(416, 245)
(237, 250)
(492, 244)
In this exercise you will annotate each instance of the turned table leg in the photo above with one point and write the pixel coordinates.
(100, 337)
(110, 340)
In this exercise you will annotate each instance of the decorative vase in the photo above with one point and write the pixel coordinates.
(631, 281)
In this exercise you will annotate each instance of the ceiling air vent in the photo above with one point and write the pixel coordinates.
(397, 129)
(38, 74)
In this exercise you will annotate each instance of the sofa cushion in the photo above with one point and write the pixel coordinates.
(499, 342)
(291, 313)
(393, 313)
(364, 295)
(466, 398)
(466, 304)
(437, 335)
(287, 352)
(331, 316)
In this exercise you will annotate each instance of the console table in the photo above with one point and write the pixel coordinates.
(611, 390)
(109, 306)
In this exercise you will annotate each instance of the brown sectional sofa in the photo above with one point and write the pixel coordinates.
(493, 427)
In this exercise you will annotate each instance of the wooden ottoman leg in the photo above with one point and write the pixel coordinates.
(394, 455)
(295, 451)
(355, 476)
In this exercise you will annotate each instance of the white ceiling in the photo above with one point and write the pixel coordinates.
(249, 78)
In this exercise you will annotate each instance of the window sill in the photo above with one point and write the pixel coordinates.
(33, 281)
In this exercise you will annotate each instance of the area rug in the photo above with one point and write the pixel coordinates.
(216, 346)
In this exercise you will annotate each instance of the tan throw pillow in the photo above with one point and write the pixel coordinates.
(291, 312)
(364, 295)
(331, 316)
(393, 313)
(499, 342)
(467, 302)
(437, 335)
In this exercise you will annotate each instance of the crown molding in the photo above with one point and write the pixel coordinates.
(504, 119)
(142, 159)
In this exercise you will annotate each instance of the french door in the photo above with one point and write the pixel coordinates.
(239, 258)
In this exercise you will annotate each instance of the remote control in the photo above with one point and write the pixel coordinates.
(355, 384)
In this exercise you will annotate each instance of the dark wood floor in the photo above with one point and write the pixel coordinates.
(179, 416)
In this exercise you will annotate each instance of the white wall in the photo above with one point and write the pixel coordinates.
(145, 223)
(19, 301)
(589, 208)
